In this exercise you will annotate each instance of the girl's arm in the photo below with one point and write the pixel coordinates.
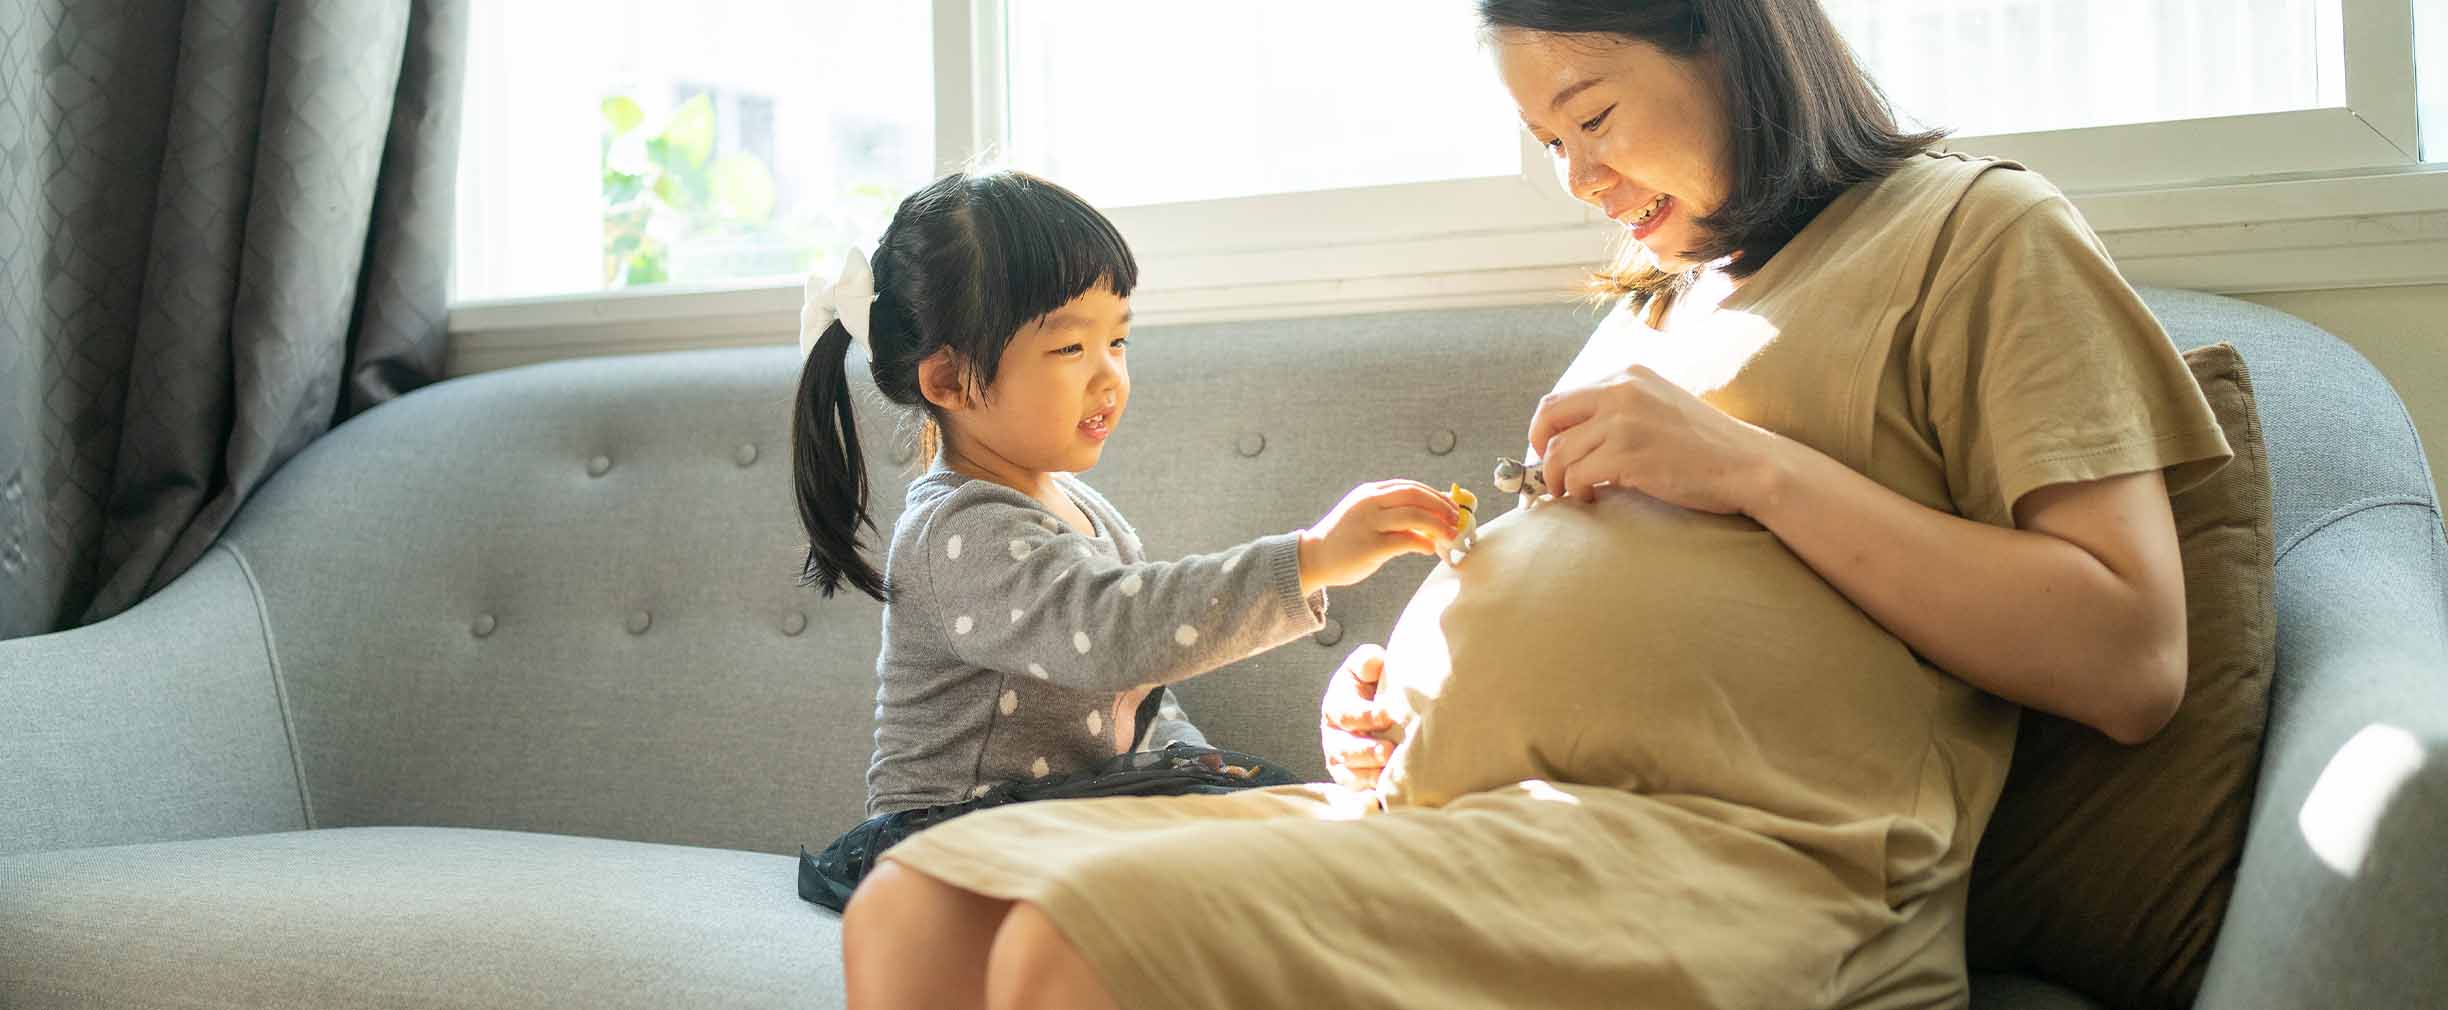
(2079, 611)
(1015, 592)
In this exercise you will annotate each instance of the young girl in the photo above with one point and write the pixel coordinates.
(1026, 634)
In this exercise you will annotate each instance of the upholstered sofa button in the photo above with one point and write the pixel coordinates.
(1441, 443)
(482, 626)
(745, 454)
(793, 623)
(1330, 634)
(599, 466)
(1250, 444)
(639, 622)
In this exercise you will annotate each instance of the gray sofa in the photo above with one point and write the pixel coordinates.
(504, 695)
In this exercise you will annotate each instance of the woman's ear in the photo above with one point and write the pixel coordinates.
(941, 382)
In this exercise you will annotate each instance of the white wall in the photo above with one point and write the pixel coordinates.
(2404, 331)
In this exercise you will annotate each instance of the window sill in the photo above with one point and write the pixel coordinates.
(2371, 228)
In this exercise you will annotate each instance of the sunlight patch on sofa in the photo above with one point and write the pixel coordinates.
(2343, 811)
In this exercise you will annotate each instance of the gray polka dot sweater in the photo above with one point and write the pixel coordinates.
(1015, 647)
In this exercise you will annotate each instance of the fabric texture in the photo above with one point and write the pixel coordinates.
(2019, 992)
(1670, 634)
(1016, 647)
(1728, 787)
(148, 731)
(2108, 868)
(2338, 904)
(411, 918)
(450, 582)
(828, 879)
(224, 226)
(2035, 306)
(1421, 907)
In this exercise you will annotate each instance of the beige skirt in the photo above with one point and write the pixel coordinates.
(1531, 896)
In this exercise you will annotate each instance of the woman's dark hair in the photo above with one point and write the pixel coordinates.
(1808, 123)
(965, 263)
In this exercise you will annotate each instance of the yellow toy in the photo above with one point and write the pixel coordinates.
(1469, 527)
(1513, 476)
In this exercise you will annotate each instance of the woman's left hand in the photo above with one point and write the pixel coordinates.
(1353, 724)
(1637, 430)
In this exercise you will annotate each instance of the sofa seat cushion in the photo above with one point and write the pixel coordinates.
(411, 917)
(448, 917)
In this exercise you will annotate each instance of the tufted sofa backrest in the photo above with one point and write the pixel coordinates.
(2339, 440)
(563, 598)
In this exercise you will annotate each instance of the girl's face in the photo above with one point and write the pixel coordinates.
(1637, 133)
(1058, 394)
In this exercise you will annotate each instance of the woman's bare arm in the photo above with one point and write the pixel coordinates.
(2079, 611)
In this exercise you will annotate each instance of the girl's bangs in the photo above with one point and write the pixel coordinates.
(1054, 247)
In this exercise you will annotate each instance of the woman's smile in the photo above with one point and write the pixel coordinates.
(1645, 219)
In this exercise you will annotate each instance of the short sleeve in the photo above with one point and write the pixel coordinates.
(2042, 366)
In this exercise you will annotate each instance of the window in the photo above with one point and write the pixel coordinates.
(1271, 132)
(621, 143)
(1273, 143)
(1985, 67)
(2106, 94)
(1271, 98)
(1347, 155)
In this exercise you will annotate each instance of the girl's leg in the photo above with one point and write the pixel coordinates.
(1035, 968)
(909, 940)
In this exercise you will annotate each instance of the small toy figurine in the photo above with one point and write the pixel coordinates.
(1469, 504)
(1516, 477)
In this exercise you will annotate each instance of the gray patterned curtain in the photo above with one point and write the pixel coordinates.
(224, 227)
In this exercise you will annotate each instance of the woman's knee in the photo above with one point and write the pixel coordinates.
(911, 940)
(892, 898)
(1035, 965)
(873, 903)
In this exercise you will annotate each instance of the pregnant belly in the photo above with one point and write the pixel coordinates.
(1631, 644)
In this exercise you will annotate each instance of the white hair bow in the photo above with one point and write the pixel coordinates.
(848, 299)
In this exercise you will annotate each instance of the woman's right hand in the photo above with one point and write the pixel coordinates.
(1352, 723)
(1372, 525)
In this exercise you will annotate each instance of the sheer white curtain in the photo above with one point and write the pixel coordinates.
(1130, 102)
(2020, 66)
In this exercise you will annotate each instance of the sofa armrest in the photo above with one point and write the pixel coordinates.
(2340, 898)
(162, 723)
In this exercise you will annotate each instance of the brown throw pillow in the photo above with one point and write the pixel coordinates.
(2106, 868)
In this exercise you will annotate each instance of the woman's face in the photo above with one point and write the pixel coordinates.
(1634, 132)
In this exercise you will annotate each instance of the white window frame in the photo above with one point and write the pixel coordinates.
(2318, 198)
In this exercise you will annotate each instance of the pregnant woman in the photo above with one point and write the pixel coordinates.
(1876, 447)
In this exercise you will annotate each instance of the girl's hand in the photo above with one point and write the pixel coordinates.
(1638, 430)
(1351, 721)
(1372, 525)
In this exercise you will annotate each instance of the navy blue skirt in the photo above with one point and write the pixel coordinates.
(828, 879)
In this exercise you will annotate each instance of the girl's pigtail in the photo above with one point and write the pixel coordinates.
(831, 473)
